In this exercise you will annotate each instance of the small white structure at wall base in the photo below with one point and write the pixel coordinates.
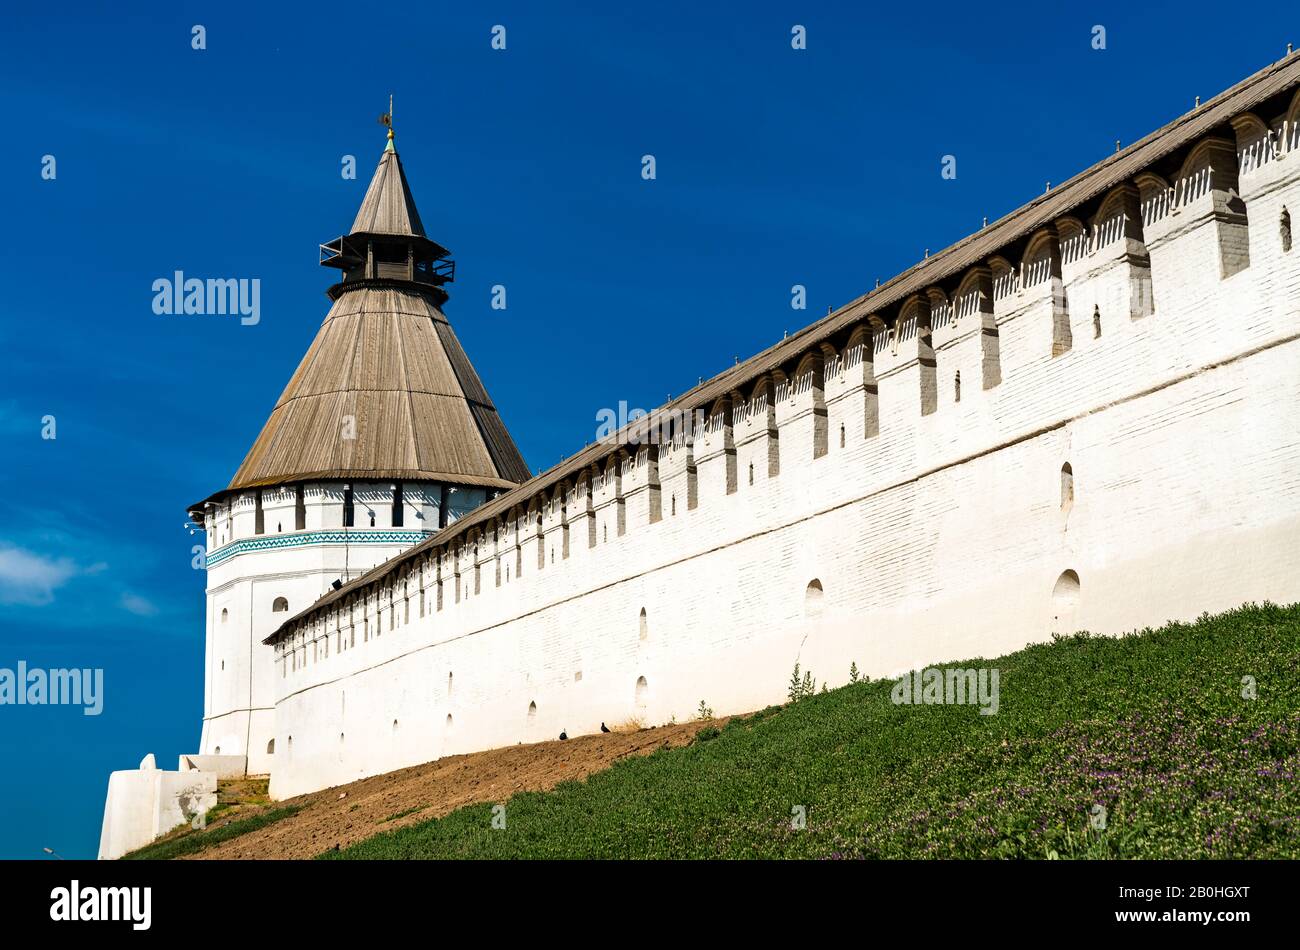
(145, 803)
(224, 766)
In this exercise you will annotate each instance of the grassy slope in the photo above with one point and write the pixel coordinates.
(192, 842)
(1153, 727)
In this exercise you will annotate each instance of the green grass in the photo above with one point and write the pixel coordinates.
(1153, 727)
(194, 842)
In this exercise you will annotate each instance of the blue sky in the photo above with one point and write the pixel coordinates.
(775, 167)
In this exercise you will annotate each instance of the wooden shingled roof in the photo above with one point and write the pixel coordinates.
(388, 207)
(951, 263)
(385, 368)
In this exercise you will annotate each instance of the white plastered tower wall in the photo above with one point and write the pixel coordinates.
(857, 506)
(258, 579)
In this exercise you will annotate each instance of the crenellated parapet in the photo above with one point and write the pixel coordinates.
(755, 432)
(642, 491)
(715, 451)
(679, 474)
(801, 407)
(851, 389)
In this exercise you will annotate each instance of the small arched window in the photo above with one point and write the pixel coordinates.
(1067, 487)
(1096, 322)
(812, 598)
(841, 440)
(225, 614)
(532, 710)
(644, 626)
(751, 473)
(279, 605)
(1286, 230)
(642, 692)
(956, 387)
(270, 747)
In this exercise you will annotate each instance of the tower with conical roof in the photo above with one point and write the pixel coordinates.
(383, 434)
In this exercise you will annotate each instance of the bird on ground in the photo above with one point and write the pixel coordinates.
(604, 728)
(563, 735)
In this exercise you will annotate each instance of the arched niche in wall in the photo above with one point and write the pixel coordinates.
(1075, 241)
(1041, 260)
(1254, 143)
(809, 379)
(762, 416)
(813, 598)
(912, 334)
(1065, 602)
(1208, 188)
(1291, 127)
(1004, 279)
(860, 358)
(972, 304)
(941, 312)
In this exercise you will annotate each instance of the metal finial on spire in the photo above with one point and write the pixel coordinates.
(387, 119)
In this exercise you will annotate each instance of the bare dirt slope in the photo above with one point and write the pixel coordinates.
(348, 813)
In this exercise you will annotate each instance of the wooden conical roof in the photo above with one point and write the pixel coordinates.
(385, 389)
(388, 207)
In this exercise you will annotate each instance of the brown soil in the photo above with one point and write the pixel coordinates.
(340, 816)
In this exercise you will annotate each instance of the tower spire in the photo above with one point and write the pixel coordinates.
(387, 240)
